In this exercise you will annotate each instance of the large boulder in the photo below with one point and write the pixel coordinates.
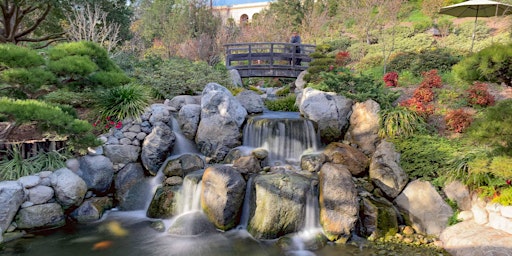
(222, 195)
(277, 204)
(330, 111)
(251, 101)
(340, 153)
(69, 188)
(125, 179)
(97, 172)
(156, 147)
(221, 119)
(338, 202)
(364, 126)
(40, 216)
(312, 162)
(188, 119)
(425, 208)
(11, 198)
(385, 170)
(122, 154)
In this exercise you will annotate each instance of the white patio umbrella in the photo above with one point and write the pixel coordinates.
(477, 8)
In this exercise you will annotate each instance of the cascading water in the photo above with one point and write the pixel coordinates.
(189, 197)
(244, 219)
(182, 144)
(285, 135)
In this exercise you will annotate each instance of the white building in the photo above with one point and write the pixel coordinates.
(240, 11)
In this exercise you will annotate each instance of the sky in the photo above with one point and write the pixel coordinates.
(233, 2)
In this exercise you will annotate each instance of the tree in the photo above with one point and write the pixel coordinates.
(21, 20)
(365, 14)
(90, 23)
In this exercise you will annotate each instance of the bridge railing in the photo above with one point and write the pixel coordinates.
(268, 59)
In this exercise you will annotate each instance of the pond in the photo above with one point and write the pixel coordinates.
(130, 233)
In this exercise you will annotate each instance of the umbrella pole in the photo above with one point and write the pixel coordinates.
(474, 29)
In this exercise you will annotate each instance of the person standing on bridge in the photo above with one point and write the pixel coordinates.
(296, 40)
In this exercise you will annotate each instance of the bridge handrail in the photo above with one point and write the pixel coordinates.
(267, 55)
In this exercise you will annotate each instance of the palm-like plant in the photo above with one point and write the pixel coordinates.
(400, 122)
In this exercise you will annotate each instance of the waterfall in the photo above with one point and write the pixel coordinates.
(189, 197)
(182, 144)
(244, 219)
(284, 134)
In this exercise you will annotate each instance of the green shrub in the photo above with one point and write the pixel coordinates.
(48, 118)
(283, 91)
(425, 60)
(118, 103)
(282, 104)
(26, 83)
(400, 122)
(178, 76)
(106, 79)
(71, 98)
(494, 127)
(425, 156)
(13, 56)
(73, 67)
(360, 88)
(92, 51)
(493, 64)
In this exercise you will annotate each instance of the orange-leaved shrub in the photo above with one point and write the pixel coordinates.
(458, 120)
(391, 79)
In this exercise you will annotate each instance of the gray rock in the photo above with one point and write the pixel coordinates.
(378, 217)
(157, 147)
(364, 126)
(330, 111)
(251, 101)
(247, 165)
(40, 216)
(12, 196)
(183, 164)
(92, 209)
(338, 202)
(427, 211)
(160, 113)
(29, 181)
(222, 195)
(385, 170)
(122, 153)
(69, 188)
(125, 179)
(180, 101)
(221, 119)
(235, 77)
(73, 164)
(468, 238)
(340, 153)
(192, 224)
(97, 172)
(278, 202)
(40, 194)
(312, 162)
(164, 202)
(459, 193)
(188, 119)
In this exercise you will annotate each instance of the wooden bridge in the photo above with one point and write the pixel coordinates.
(268, 59)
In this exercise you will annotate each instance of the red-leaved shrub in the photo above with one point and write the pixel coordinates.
(342, 58)
(458, 120)
(423, 109)
(391, 79)
(479, 95)
(431, 79)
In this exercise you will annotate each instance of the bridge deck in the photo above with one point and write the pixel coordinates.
(268, 59)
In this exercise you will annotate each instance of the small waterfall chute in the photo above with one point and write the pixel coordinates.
(285, 135)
